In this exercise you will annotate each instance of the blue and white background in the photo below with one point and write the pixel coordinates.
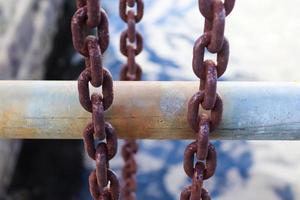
(264, 46)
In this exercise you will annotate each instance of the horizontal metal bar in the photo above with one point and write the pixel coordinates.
(150, 110)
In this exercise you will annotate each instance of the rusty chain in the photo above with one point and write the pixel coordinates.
(200, 157)
(103, 182)
(131, 41)
(131, 44)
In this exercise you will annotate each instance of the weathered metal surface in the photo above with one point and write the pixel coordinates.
(131, 45)
(152, 110)
(100, 138)
(208, 71)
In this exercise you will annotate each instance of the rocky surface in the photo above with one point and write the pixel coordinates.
(26, 32)
(33, 37)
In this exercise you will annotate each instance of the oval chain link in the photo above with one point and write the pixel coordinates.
(200, 157)
(131, 45)
(103, 182)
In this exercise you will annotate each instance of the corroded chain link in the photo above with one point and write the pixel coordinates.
(200, 157)
(131, 41)
(131, 44)
(103, 182)
(129, 186)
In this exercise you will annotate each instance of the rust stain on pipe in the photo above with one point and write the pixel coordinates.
(152, 110)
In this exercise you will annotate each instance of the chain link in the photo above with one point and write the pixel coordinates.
(131, 41)
(103, 182)
(131, 45)
(200, 157)
(129, 171)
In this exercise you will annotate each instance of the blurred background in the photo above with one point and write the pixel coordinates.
(36, 44)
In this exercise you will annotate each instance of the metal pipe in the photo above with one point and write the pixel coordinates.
(150, 110)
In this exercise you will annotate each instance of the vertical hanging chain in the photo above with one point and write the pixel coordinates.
(100, 138)
(131, 44)
(131, 41)
(200, 157)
